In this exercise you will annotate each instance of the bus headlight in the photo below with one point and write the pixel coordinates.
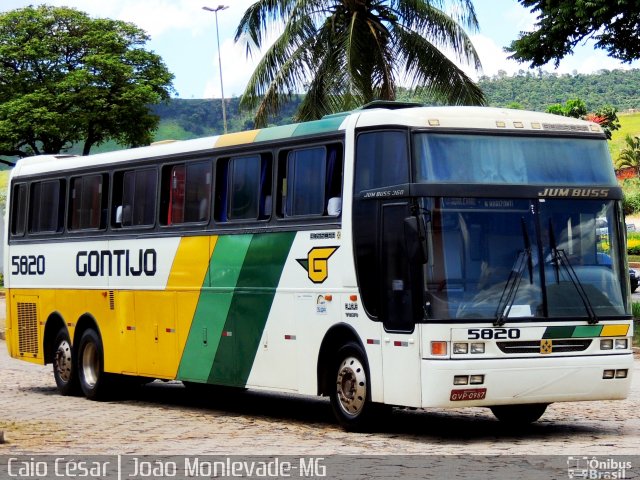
(477, 348)
(460, 348)
(620, 344)
(606, 344)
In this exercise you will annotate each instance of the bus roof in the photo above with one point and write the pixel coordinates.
(375, 114)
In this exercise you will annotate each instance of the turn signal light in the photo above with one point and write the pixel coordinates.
(438, 348)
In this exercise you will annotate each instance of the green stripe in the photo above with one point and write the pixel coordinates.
(319, 126)
(558, 332)
(250, 306)
(213, 307)
(275, 133)
(587, 331)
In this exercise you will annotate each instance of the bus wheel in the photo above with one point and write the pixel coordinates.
(349, 396)
(519, 414)
(91, 365)
(64, 370)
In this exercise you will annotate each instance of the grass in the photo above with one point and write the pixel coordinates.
(629, 125)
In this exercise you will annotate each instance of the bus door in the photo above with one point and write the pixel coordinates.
(401, 306)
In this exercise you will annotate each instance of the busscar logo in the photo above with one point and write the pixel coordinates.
(317, 263)
(546, 346)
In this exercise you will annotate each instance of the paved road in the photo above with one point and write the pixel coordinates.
(165, 418)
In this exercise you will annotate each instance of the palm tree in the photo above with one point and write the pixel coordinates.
(345, 53)
(630, 155)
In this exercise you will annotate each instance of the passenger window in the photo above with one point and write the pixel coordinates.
(46, 206)
(19, 210)
(87, 205)
(186, 193)
(306, 173)
(135, 198)
(310, 182)
(382, 160)
(243, 188)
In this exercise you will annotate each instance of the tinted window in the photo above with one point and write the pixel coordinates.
(18, 210)
(46, 207)
(86, 205)
(382, 160)
(512, 160)
(306, 173)
(138, 198)
(186, 193)
(244, 187)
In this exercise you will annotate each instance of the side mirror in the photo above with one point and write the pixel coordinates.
(415, 239)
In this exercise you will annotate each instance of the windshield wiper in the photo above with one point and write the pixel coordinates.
(559, 258)
(524, 259)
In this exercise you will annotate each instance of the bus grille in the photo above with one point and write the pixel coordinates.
(112, 300)
(559, 346)
(27, 328)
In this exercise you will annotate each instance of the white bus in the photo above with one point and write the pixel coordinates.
(389, 256)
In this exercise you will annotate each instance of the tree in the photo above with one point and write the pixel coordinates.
(562, 24)
(346, 53)
(575, 108)
(630, 155)
(67, 78)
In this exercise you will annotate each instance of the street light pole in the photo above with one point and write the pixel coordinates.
(224, 109)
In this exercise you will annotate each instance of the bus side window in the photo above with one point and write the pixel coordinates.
(333, 192)
(186, 193)
(46, 206)
(19, 210)
(243, 188)
(306, 173)
(134, 194)
(382, 160)
(87, 203)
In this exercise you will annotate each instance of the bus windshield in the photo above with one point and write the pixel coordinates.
(512, 160)
(508, 258)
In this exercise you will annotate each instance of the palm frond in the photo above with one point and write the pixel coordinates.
(430, 69)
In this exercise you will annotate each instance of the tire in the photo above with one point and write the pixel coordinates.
(93, 381)
(64, 366)
(349, 389)
(518, 415)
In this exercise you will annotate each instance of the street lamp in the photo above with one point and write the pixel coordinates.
(224, 109)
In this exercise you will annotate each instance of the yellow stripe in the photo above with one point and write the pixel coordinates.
(191, 263)
(237, 138)
(614, 331)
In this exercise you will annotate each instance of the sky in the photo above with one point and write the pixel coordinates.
(184, 35)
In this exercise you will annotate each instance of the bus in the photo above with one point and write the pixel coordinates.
(391, 256)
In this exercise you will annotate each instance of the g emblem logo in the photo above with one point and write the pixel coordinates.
(317, 263)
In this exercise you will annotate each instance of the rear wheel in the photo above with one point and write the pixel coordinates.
(514, 415)
(93, 380)
(64, 369)
(350, 396)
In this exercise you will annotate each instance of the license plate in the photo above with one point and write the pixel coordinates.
(468, 394)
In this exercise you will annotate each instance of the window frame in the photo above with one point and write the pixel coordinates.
(62, 195)
(103, 200)
(118, 198)
(165, 192)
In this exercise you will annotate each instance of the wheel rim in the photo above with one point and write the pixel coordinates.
(351, 386)
(63, 361)
(90, 364)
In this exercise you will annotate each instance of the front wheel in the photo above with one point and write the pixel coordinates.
(516, 415)
(91, 366)
(350, 392)
(64, 369)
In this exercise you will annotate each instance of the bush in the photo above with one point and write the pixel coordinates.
(633, 243)
(631, 202)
